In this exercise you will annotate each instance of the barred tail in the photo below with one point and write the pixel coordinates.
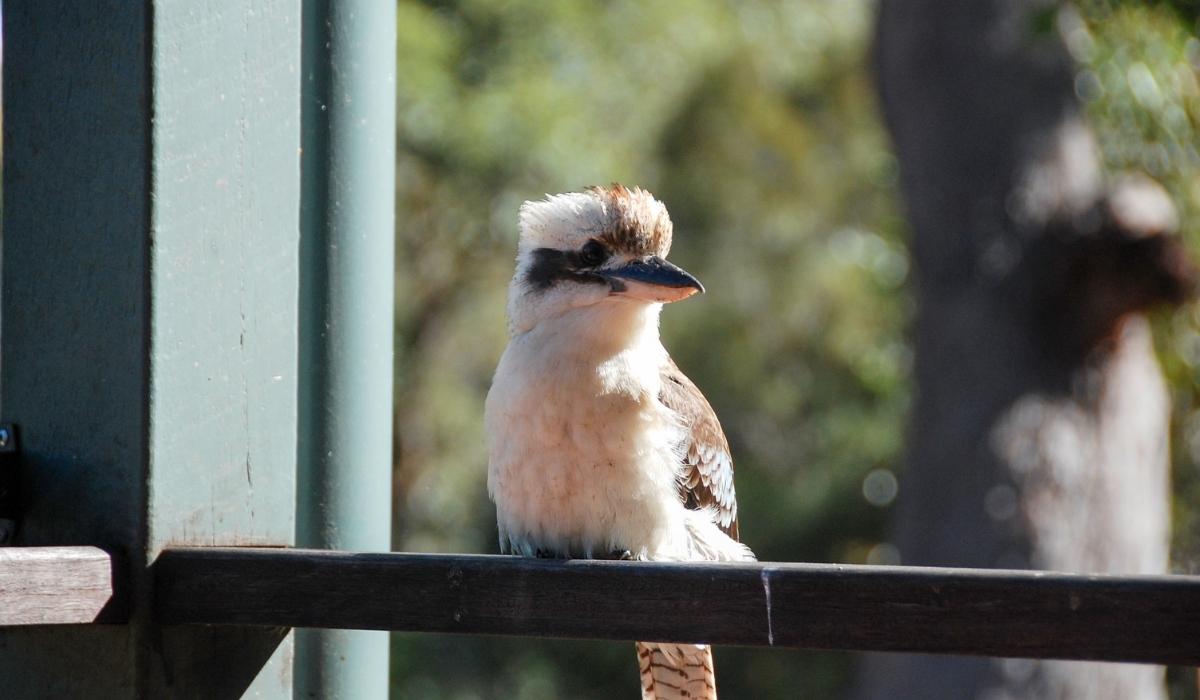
(676, 671)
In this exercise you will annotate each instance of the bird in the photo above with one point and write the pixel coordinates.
(599, 447)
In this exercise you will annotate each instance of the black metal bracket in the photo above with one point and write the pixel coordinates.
(10, 484)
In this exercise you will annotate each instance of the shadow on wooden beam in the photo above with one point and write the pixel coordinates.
(59, 586)
(813, 606)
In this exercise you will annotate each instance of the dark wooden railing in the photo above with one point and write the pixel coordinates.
(1153, 619)
(1146, 619)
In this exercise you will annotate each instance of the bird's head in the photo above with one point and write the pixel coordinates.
(605, 245)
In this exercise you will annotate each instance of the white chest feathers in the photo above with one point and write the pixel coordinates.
(582, 456)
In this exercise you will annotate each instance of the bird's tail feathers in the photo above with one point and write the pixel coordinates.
(676, 671)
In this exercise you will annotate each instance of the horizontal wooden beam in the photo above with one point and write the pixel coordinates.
(57, 586)
(813, 606)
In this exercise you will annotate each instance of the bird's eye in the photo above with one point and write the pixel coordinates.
(593, 253)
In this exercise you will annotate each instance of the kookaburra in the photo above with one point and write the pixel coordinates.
(598, 446)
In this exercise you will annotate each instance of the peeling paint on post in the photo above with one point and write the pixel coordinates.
(151, 181)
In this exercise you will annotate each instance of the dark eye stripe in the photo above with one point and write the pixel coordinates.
(550, 266)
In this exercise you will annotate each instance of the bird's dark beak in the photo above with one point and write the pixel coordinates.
(652, 279)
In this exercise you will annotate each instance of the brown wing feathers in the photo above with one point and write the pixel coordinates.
(670, 671)
(707, 480)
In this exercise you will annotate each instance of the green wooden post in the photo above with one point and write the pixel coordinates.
(151, 197)
(346, 326)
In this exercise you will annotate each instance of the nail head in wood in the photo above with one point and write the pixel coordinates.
(10, 484)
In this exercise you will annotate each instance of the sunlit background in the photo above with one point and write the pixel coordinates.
(757, 124)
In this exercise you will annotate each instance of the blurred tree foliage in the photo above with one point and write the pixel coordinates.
(1140, 80)
(756, 123)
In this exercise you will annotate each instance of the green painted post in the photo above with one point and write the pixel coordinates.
(150, 271)
(346, 327)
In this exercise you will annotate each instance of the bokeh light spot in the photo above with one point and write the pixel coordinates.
(880, 487)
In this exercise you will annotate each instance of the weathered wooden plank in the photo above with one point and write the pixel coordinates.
(815, 606)
(57, 586)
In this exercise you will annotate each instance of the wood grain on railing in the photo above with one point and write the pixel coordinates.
(56, 586)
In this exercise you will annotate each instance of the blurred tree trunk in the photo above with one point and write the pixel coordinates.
(1039, 434)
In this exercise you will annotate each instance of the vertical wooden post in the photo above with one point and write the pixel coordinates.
(151, 192)
(346, 322)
